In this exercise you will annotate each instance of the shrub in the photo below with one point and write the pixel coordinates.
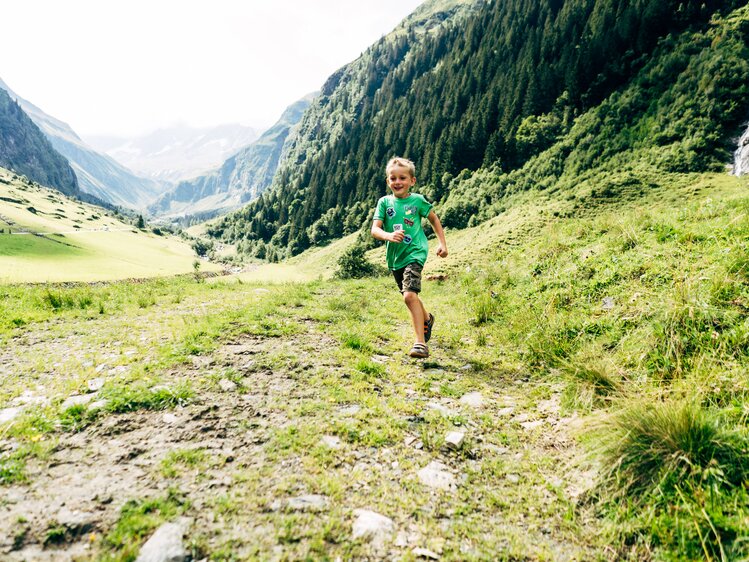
(353, 264)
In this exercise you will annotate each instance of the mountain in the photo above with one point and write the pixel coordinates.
(97, 174)
(25, 150)
(507, 96)
(177, 153)
(242, 178)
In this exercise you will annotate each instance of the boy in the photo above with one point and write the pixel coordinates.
(397, 220)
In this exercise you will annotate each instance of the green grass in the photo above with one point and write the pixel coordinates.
(37, 247)
(632, 318)
(138, 519)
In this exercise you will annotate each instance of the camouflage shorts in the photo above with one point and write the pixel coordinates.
(409, 277)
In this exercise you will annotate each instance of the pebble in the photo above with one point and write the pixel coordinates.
(371, 525)
(77, 400)
(425, 553)
(165, 545)
(98, 405)
(502, 412)
(514, 478)
(9, 414)
(473, 399)
(436, 475)
(351, 410)
(455, 439)
(331, 441)
(28, 397)
(170, 418)
(436, 406)
(94, 385)
(309, 502)
(529, 425)
(608, 303)
(227, 385)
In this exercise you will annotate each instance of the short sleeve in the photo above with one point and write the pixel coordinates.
(424, 206)
(380, 210)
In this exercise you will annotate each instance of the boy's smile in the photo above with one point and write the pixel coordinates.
(400, 181)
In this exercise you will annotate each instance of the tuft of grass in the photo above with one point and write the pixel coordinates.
(127, 398)
(138, 518)
(655, 448)
(674, 479)
(355, 341)
(190, 458)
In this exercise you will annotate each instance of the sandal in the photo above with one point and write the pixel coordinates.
(428, 327)
(419, 350)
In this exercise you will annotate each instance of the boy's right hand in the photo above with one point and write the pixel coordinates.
(397, 236)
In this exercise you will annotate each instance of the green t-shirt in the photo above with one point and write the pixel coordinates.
(404, 214)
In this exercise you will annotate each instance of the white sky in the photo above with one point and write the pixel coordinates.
(126, 67)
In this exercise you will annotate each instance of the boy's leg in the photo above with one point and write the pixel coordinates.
(411, 286)
(416, 309)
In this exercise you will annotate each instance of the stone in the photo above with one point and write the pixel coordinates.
(351, 410)
(380, 358)
(436, 475)
(309, 502)
(436, 406)
(530, 425)
(77, 522)
(165, 545)
(607, 303)
(514, 478)
(261, 291)
(77, 400)
(503, 412)
(28, 398)
(94, 385)
(331, 441)
(455, 439)
(425, 553)
(227, 386)
(170, 418)
(372, 526)
(98, 405)
(9, 414)
(473, 399)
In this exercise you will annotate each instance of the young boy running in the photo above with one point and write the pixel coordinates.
(397, 220)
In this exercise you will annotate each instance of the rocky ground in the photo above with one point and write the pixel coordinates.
(285, 451)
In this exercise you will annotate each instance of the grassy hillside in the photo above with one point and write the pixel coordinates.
(609, 347)
(47, 237)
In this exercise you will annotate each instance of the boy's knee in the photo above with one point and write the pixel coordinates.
(410, 297)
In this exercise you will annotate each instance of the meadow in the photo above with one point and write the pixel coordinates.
(46, 237)
(593, 355)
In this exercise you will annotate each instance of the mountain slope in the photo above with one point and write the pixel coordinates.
(98, 174)
(491, 92)
(177, 153)
(25, 150)
(242, 178)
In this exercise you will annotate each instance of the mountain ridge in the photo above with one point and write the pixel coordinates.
(98, 174)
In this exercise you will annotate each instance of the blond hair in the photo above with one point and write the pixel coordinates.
(398, 162)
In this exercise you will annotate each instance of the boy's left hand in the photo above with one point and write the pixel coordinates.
(442, 251)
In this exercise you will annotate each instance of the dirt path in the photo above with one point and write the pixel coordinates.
(270, 466)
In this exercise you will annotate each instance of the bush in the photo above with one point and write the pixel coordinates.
(202, 247)
(353, 264)
(655, 449)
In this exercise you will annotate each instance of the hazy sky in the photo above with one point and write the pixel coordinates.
(128, 67)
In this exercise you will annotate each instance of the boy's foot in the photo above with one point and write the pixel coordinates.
(428, 327)
(419, 350)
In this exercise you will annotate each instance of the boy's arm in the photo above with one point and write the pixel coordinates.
(434, 220)
(380, 234)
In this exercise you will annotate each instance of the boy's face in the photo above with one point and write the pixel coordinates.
(400, 181)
